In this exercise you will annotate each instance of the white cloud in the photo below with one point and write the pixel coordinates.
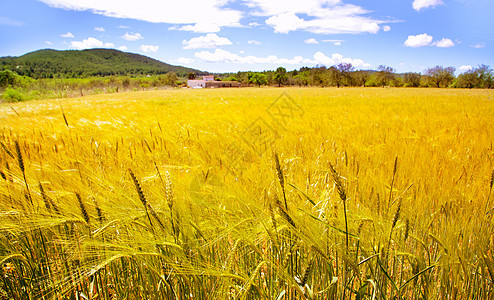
(67, 35)
(368, 27)
(284, 23)
(100, 29)
(183, 61)
(132, 36)
(422, 40)
(332, 23)
(223, 56)
(320, 16)
(386, 28)
(311, 41)
(253, 42)
(122, 48)
(254, 24)
(123, 27)
(158, 11)
(337, 43)
(419, 4)
(444, 43)
(419, 40)
(210, 40)
(149, 48)
(48, 43)
(90, 43)
(465, 68)
(478, 46)
(336, 58)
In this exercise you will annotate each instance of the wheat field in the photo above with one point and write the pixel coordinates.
(256, 193)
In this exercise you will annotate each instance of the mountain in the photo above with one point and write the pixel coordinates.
(50, 63)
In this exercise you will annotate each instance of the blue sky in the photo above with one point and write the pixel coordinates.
(241, 35)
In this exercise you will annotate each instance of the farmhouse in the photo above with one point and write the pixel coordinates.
(209, 82)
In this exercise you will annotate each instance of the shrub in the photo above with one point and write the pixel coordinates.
(112, 90)
(7, 78)
(96, 92)
(13, 95)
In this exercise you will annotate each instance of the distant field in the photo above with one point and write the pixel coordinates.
(239, 193)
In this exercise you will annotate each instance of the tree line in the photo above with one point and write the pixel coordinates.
(15, 87)
(345, 74)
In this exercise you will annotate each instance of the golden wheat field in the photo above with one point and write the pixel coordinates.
(270, 193)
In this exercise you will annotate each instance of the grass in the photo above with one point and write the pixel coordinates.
(225, 194)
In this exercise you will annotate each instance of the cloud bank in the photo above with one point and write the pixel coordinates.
(315, 16)
(319, 58)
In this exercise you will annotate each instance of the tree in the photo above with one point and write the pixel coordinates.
(480, 77)
(257, 79)
(335, 76)
(7, 78)
(440, 76)
(302, 78)
(411, 79)
(191, 76)
(270, 77)
(126, 82)
(346, 70)
(361, 77)
(231, 78)
(243, 77)
(486, 78)
(385, 75)
(319, 76)
(280, 76)
(467, 80)
(170, 78)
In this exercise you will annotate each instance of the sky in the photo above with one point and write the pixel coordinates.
(256, 35)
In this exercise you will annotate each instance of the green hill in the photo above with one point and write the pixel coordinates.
(84, 63)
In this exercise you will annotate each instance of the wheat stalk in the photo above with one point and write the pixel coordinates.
(20, 161)
(49, 204)
(283, 212)
(397, 215)
(64, 117)
(395, 167)
(147, 207)
(307, 272)
(99, 212)
(407, 229)
(281, 178)
(138, 189)
(155, 215)
(83, 209)
(490, 192)
(7, 150)
(343, 197)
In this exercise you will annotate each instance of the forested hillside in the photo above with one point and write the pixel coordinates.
(92, 62)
